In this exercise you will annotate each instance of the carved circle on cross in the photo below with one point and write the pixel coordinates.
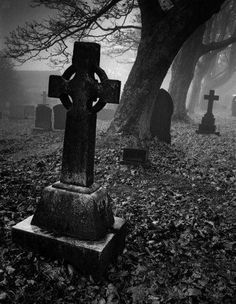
(65, 99)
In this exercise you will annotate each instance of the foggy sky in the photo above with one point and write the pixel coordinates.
(17, 12)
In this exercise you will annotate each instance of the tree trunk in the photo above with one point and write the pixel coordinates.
(163, 34)
(183, 72)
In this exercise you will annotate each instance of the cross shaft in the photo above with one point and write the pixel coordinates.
(80, 130)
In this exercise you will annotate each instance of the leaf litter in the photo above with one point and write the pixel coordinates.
(180, 209)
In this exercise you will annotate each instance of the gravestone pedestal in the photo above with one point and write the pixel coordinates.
(81, 212)
(89, 257)
(207, 125)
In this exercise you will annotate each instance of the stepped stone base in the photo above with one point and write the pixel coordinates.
(207, 125)
(89, 257)
(81, 212)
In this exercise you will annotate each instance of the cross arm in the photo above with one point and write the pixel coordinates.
(57, 86)
(109, 91)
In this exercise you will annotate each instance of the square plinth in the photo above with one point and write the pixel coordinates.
(89, 257)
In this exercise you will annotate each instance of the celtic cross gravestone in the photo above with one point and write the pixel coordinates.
(76, 209)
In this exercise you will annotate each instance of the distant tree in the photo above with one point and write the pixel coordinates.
(166, 24)
(11, 90)
(218, 34)
(222, 69)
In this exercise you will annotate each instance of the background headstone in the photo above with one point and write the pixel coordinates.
(16, 111)
(233, 107)
(59, 112)
(161, 116)
(29, 111)
(0, 115)
(43, 117)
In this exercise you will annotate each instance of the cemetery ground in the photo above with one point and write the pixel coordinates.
(180, 210)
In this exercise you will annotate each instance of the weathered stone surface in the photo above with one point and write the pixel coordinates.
(207, 125)
(87, 256)
(43, 117)
(161, 117)
(79, 149)
(134, 156)
(59, 117)
(67, 211)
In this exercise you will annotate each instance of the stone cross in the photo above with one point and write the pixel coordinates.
(77, 95)
(44, 97)
(211, 97)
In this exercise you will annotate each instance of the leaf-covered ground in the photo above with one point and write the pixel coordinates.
(180, 210)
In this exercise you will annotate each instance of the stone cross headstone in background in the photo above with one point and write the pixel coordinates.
(233, 107)
(59, 113)
(207, 125)
(161, 117)
(76, 209)
(43, 118)
(44, 97)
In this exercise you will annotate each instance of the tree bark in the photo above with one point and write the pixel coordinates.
(162, 36)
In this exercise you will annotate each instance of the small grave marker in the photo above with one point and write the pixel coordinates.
(207, 125)
(134, 156)
(74, 219)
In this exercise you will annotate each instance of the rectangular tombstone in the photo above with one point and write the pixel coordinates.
(59, 114)
(43, 118)
(134, 156)
(160, 123)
